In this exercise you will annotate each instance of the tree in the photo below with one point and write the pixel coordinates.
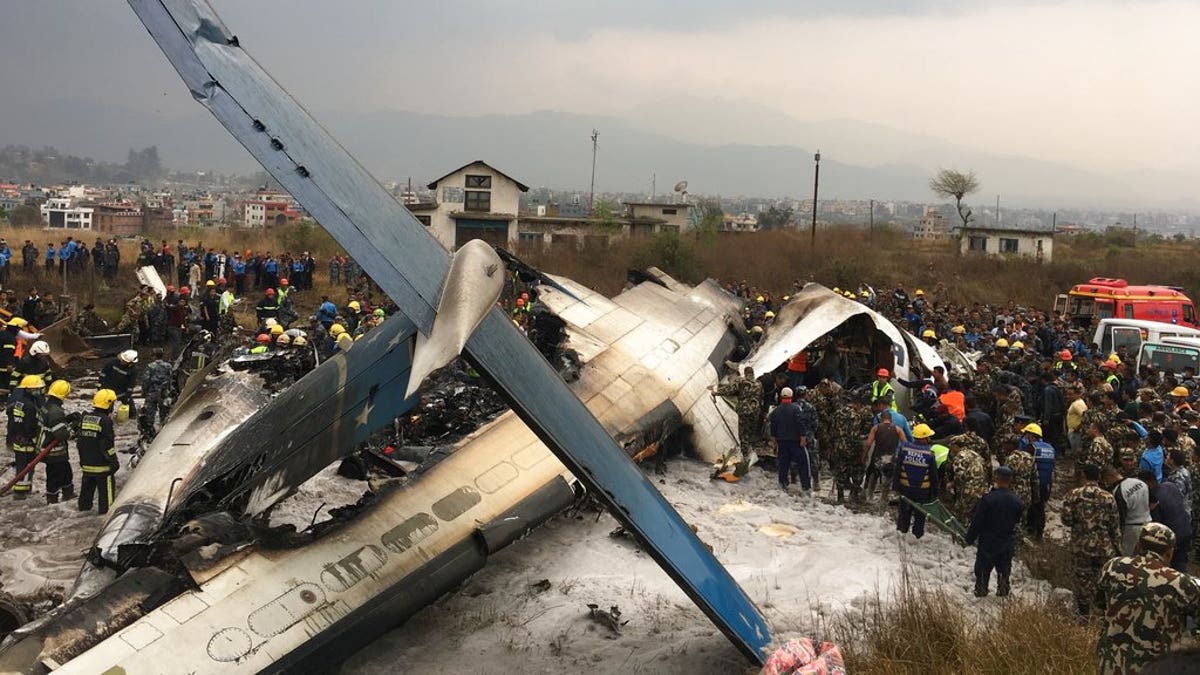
(25, 216)
(775, 218)
(710, 217)
(956, 184)
(605, 212)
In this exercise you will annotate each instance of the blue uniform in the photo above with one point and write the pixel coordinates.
(992, 529)
(789, 425)
(914, 475)
(1043, 459)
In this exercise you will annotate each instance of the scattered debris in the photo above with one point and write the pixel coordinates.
(540, 586)
(610, 619)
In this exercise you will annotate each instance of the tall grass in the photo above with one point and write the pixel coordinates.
(924, 630)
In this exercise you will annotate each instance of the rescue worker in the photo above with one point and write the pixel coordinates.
(263, 345)
(992, 529)
(97, 454)
(35, 362)
(225, 320)
(882, 387)
(915, 477)
(56, 429)
(744, 394)
(121, 375)
(24, 429)
(210, 307)
(268, 307)
(1090, 513)
(1043, 459)
(8, 351)
(1147, 604)
(156, 393)
(790, 436)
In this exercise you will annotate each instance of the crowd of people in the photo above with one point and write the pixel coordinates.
(990, 444)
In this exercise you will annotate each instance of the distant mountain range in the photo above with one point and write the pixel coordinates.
(766, 153)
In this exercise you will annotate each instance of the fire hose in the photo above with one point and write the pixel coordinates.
(28, 467)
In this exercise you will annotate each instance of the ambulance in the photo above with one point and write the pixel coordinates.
(1105, 298)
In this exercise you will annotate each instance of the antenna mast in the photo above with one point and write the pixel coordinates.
(592, 190)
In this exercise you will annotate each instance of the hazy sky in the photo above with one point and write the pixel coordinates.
(1101, 84)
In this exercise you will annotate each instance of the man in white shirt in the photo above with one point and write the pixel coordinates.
(1133, 502)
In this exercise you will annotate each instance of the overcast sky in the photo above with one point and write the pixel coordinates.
(1101, 84)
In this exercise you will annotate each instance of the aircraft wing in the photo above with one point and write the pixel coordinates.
(409, 265)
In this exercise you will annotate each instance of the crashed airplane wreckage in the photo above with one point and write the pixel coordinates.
(266, 600)
(817, 311)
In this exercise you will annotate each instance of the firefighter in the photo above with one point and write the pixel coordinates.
(56, 428)
(35, 362)
(121, 375)
(97, 455)
(24, 427)
(268, 307)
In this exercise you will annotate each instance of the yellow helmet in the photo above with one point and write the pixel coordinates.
(1002, 344)
(760, 299)
(104, 399)
(769, 315)
(928, 333)
(300, 341)
(1018, 345)
(920, 292)
(32, 382)
(959, 330)
(18, 322)
(276, 330)
(922, 431)
(337, 329)
(1113, 358)
(1033, 428)
(59, 389)
(283, 339)
(836, 289)
(786, 298)
(210, 284)
(1181, 391)
(355, 306)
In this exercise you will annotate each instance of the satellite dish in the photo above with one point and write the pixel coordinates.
(681, 186)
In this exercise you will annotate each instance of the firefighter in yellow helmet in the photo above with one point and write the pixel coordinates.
(24, 428)
(56, 430)
(97, 454)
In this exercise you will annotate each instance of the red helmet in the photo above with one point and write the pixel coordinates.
(1109, 365)
(883, 372)
(283, 282)
(263, 338)
(170, 289)
(1064, 355)
(520, 302)
(270, 292)
(221, 281)
(185, 291)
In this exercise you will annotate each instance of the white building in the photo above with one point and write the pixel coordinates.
(61, 213)
(476, 201)
(931, 226)
(255, 215)
(1033, 241)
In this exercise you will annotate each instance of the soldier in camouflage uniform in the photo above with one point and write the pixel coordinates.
(1008, 404)
(1025, 477)
(1127, 462)
(1147, 603)
(745, 395)
(826, 399)
(156, 390)
(1090, 512)
(131, 320)
(850, 424)
(1097, 451)
(971, 475)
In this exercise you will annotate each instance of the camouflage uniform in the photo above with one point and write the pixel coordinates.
(132, 318)
(1122, 455)
(744, 394)
(1147, 605)
(156, 381)
(1091, 514)
(971, 479)
(970, 440)
(849, 425)
(1025, 477)
(1098, 452)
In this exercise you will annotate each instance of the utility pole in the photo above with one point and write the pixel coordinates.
(871, 227)
(653, 186)
(592, 190)
(816, 185)
(997, 209)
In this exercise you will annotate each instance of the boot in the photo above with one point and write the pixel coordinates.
(981, 589)
(20, 496)
(1002, 587)
(68, 492)
(51, 497)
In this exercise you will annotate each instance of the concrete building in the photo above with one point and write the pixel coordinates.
(118, 219)
(1033, 241)
(647, 218)
(61, 213)
(932, 225)
(475, 201)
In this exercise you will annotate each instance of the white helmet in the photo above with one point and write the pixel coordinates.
(128, 356)
(270, 322)
(39, 348)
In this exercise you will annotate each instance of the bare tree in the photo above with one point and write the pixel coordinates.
(957, 184)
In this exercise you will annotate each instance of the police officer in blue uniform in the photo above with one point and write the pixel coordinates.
(915, 476)
(1043, 458)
